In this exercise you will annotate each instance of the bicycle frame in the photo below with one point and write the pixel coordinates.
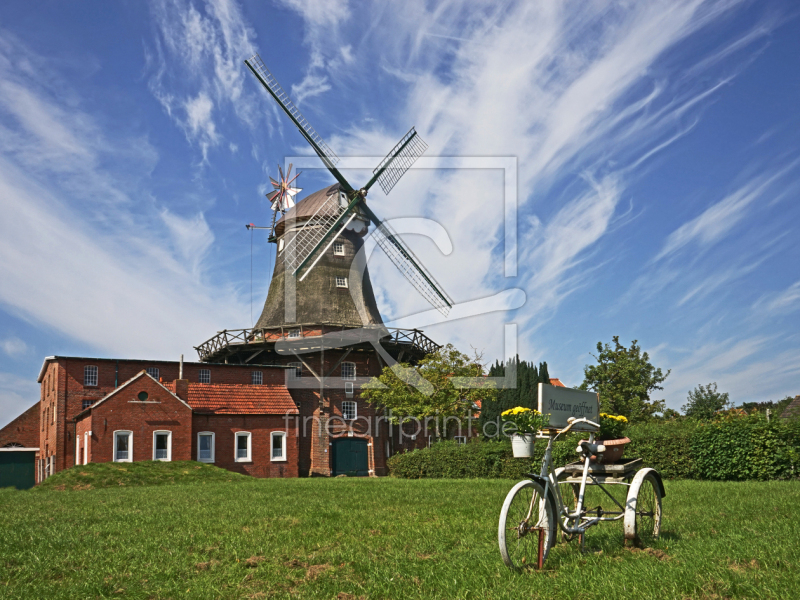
(562, 512)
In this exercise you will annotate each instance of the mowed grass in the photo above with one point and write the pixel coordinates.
(377, 538)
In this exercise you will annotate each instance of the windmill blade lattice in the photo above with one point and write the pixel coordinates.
(411, 267)
(260, 69)
(399, 160)
(313, 232)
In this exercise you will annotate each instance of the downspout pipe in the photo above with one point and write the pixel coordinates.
(116, 376)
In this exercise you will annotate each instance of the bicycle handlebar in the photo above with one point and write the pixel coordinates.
(573, 421)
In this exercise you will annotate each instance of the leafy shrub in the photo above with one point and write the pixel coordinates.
(734, 449)
(747, 447)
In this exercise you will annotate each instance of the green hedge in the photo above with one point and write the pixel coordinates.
(741, 448)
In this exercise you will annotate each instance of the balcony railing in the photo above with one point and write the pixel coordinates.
(230, 339)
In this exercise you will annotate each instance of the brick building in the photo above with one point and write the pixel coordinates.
(299, 370)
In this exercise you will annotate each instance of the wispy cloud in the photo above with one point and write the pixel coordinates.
(17, 394)
(716, 221)
(195, 64)
(782, 302)
(14, 347)
(79, 256)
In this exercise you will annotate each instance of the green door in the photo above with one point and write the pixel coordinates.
(350, 457)
(17, 468)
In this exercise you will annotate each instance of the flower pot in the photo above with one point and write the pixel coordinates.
(522, 444)
(614, 450)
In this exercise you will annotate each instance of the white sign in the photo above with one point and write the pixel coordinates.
(561, 403)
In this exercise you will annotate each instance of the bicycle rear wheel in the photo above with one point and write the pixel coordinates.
(523, 539)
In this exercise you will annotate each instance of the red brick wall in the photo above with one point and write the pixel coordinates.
(316, 434)
(81, 428)
(123, 411)
(260, 427)
(23, 430)
(63, 392)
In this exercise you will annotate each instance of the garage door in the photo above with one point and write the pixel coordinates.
(17, 467)
(350, 457)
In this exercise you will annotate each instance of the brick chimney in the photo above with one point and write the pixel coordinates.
(182, 389)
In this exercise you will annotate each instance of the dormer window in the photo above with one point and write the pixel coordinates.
(338, 248)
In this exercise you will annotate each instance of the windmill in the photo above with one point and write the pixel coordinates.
(338, 211)
(282, 197)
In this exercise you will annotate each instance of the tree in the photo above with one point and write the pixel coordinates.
(432, 388)
(525, 394)
(704, 400)
(776, 407)
(624, 378)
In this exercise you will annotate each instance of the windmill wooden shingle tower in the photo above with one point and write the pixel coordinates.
(320, 317)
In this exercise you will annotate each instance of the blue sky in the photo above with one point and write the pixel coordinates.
(657, 159)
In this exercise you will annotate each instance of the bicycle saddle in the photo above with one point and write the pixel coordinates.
(588, 449)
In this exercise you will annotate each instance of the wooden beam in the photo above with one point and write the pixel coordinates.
(333, 368)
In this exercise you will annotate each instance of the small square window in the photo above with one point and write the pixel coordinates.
(294, 333)
(348, 410)
(153, 372)
(297, 371)
(90, 375)
(86, 403)
(278, 452)
(205, 375)
(256, 377)
(341, 282)
(348, 371)
(205, 447)
(338, 248)
(243, 446)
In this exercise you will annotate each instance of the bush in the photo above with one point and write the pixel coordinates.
(734, 449)
(749, 447)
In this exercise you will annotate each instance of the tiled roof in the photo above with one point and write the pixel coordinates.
(557, 383)
(793, 409)
(229, 399)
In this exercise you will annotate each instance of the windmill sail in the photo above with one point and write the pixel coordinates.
(260, 70)
(411, 267)
(398, 161)
(328, 217)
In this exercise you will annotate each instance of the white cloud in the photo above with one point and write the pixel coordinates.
(780, 302)
(716, 221)
(77, 255)
(17, 394)
(14, 347)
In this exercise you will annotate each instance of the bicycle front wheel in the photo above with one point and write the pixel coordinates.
(526, 526)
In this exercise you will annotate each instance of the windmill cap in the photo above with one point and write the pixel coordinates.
(305, 208)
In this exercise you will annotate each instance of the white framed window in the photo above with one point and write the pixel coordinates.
(293, 334)
(349, 371)
(338, 248)
(123, 446)
(153, 372)
(243, 447)
(86, 403)
(162, 445)
(460, 439)
(205, 446)
(296, 371)
(278, 446)
(90, 375)
(341, 282)
(280, 245)
(349, 410)
(348, 389)
(205, 376)
(256, 377)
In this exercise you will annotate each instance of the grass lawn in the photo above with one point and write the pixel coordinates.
(211, 534)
